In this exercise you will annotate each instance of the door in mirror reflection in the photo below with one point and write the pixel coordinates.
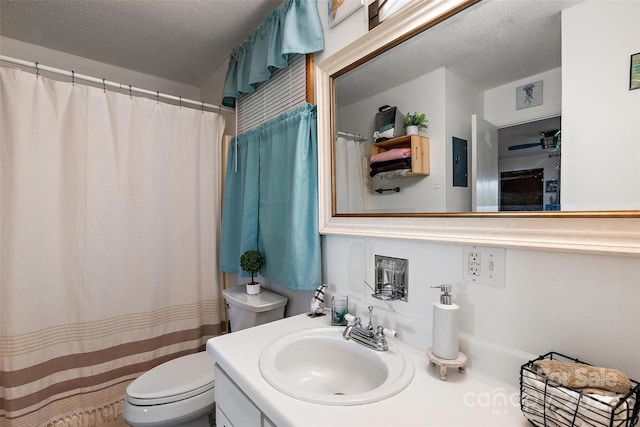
(484, 165)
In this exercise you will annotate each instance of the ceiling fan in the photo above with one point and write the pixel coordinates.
(550, 141)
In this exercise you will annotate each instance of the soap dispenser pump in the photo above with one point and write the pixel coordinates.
(445, 325)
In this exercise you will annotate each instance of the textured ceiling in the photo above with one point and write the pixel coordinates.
(490, 44)
(180, 40)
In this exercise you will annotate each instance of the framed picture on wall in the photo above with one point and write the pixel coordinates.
(634, 77)
(341, 9)
(529, 95)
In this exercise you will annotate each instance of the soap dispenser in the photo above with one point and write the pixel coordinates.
(445, 335)
(445, 325)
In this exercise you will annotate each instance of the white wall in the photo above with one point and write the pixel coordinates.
(601, 116)
(81, 65)
(345, 32)
(500, 102)
(582, 305)
(462, 100)
(586, 306)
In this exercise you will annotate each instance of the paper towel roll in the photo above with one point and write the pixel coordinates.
(445, 330)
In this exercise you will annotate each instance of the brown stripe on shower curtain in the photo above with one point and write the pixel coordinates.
(44, 394)
(51, 391)
(120, 325)
(41, 371)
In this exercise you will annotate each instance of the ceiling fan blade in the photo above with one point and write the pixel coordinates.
(523, 146)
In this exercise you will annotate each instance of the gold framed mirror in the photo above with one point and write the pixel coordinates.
(610, 231)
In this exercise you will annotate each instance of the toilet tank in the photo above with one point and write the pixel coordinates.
(247, 310)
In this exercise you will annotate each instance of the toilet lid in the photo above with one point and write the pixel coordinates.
(176, 379)
(264, 301)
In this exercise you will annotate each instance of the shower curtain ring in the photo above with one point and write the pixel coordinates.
(158, 97)
(104, 86)
(73, 78)
(37, 70)
(130, 96)
(180, 102)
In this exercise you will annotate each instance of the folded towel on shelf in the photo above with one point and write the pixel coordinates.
(587, 378)
(398, 173)
(391, 167)
(393, 154)
(376, 165)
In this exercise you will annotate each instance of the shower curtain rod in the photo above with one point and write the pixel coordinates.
(39, 67)
(351, 135)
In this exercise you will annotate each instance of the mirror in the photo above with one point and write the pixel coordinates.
(609, 223)
(494, 68)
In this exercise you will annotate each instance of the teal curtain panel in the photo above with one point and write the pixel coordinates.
(294, 28)
(271, 202)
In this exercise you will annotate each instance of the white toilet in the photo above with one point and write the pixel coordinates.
(181, 392)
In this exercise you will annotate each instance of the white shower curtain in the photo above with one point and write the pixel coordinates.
(352, 175)
(109, 214)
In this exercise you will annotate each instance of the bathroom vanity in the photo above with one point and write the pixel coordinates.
(245, 398)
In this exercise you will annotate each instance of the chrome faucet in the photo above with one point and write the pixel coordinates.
(367, 335)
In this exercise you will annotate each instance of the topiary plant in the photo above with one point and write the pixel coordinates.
(251, 262)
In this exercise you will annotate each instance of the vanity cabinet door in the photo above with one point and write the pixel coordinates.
(221, 419)
(236, 407)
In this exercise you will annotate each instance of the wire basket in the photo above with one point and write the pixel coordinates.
(545, 402)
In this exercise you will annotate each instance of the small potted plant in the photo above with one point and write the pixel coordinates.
(251, 262)
(414, 122)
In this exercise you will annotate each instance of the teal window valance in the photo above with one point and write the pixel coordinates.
(294, 28)
(271, 202)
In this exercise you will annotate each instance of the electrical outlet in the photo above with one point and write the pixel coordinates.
(474, 270)
(484, 265)
(474, 264)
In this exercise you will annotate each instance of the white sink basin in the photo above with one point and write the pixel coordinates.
(319, 366)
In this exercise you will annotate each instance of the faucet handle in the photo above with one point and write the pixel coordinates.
(391, 332)
(386, 331)
(351, 318)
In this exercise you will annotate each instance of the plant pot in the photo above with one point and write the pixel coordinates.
(253, 288)
(412, 130)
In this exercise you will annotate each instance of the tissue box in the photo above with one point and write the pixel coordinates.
(545, 402)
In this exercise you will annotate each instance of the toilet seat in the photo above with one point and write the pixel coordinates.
(175, 380)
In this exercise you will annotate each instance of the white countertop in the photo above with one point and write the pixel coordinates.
(463, 400)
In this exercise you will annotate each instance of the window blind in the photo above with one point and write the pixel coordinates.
(286, 90)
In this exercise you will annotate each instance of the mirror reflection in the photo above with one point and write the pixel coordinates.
(490, 82)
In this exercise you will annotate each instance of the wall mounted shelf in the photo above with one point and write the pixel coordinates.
(419, 151)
